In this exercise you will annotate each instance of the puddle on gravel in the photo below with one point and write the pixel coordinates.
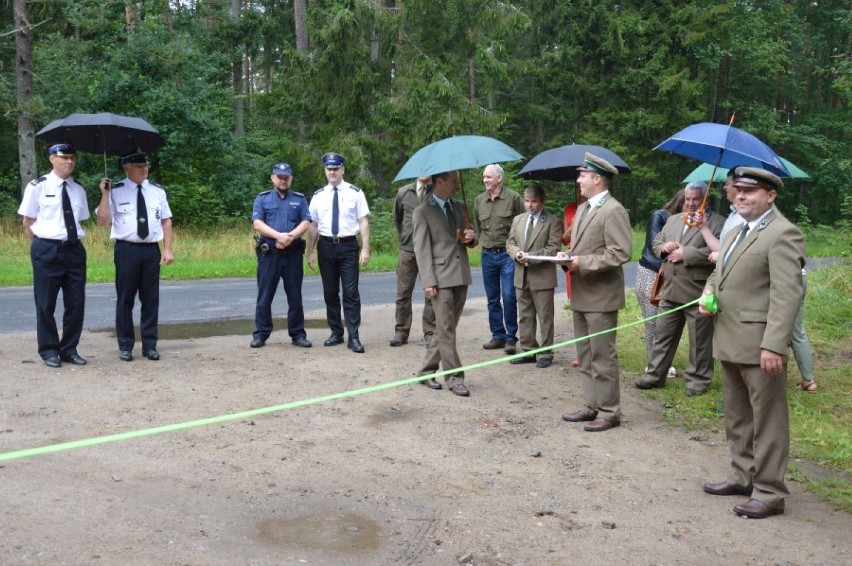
(347, 533)
(224, 327)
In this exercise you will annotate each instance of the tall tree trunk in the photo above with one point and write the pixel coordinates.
(237, 74)
(24, 79)
(300, 9)
(471, 85)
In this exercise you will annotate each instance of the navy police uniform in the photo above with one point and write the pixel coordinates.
(58, 259)
(283, 214)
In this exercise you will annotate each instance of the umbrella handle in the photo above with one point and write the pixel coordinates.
(459, 233)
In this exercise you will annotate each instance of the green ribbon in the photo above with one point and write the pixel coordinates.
(86, 442)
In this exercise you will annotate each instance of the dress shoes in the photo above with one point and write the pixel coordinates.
(523, 360)
(511, 347)
(754, 509)
(644, 383)
(396, 341)
(494, 344)
(579, 416)
(725, 488)
(152, 355)
(52, 362)
(257, 343)
(73, 358)
(355, 346)
(125, 356)
(461, 390)
(302, 342)
(600, 425)
(544, 363)
(432, 383)
(333, 340)
(695, 392)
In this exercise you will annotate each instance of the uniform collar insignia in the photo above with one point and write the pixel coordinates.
(601, 202)
(763, 224)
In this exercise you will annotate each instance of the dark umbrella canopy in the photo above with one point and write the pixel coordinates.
(105, 133)
(560, 163)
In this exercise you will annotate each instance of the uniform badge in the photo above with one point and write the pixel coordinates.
(762, 224)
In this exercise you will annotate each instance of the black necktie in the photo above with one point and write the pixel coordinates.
(141, 214)
(451, 217)
(528, 236)
(68, 213)
(740, 238)
(335, 215)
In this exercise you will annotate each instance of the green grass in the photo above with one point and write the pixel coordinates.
(820, 423)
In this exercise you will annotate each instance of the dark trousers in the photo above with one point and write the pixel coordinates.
(58, 266)
(338, 264)
(271, 269)
(137, 271)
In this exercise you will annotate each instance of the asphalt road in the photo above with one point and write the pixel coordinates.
(211, 299)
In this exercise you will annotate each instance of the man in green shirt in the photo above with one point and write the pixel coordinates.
(494, 209)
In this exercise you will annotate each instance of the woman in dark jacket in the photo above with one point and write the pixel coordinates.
(649, 265)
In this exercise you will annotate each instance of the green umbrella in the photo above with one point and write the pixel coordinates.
(703, 172)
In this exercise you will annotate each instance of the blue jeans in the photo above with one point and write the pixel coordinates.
(498, 277)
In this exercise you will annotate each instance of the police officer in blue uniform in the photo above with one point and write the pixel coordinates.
(281, 218)
(52, 209)
(338, 212)
(138, 213)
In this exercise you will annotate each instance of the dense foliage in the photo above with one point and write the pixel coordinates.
(228, 86)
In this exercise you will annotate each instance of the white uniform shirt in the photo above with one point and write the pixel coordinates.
(352, 205)
(122, 208)
(43, 202)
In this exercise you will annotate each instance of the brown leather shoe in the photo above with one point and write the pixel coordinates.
(579, 416)
(600, 425)
(494, 344)
(432, 383)
(461, 390)
(725, 488)
(754, 509)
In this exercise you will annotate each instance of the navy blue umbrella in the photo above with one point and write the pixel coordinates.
(560, 163)
(723, 145)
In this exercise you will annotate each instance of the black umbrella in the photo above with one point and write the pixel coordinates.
(560, 163)
(105, 133)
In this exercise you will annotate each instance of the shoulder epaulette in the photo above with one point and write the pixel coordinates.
(158, 185)
(319, 190)
(298, 194)
(38, 180)
(118, 184)
(265, 193)
(353, 187)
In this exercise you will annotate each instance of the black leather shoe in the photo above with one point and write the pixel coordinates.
(494, 344)
(432, 383)
(125, 355)
(302, 342)
(257, 343)
(333, 340)
(52, 362)
(725, 488)
(511, 347)
(524, 360)
(644, 383)
(461, 390)
(544, 363)
(355, 346)
(74, 358)
(395, 341)
(152, 355)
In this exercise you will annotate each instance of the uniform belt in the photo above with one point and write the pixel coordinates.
(495, 250)
(136, 243)
(58, 242)
(337, 239)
